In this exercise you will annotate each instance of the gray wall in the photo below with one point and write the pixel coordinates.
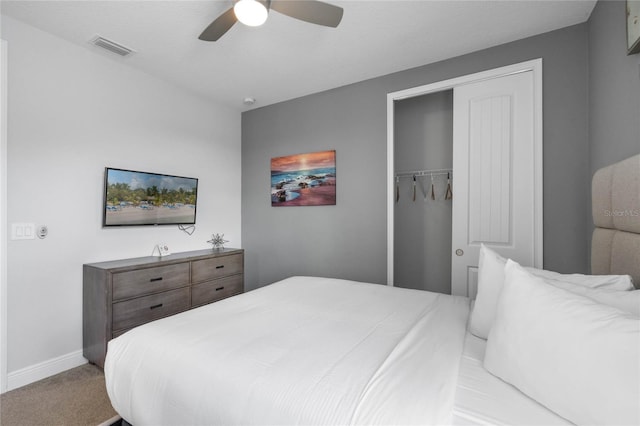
(349, 240)
(614, 88)
(614, 91)
(422, 227)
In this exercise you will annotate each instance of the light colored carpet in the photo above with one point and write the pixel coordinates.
(74, 397)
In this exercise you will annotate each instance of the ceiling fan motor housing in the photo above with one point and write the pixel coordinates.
(312, 11)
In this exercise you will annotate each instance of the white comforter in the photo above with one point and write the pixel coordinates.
(300, 351)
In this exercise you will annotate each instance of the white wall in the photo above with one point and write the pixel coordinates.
(71, 112)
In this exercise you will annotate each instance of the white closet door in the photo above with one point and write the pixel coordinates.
(494, 175)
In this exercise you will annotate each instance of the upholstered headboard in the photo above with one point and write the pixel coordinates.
(615, 246)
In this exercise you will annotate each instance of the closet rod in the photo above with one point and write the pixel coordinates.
(417, 173)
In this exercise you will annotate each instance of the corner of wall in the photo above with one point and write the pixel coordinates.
(3, 216)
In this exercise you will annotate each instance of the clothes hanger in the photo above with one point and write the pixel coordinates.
(448, 195)
(433, 194)
(414, 187)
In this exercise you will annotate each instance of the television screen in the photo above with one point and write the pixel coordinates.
(139, 198)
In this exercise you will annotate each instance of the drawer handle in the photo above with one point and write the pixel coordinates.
(159, 305)
(156, 279)
(219, 266)
(219, 288)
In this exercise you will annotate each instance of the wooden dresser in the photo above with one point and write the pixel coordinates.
(122, 294)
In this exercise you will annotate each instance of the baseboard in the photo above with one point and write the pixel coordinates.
(33, 373)
(113, 421)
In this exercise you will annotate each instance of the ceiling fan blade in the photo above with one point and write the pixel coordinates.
(313, 11)
(219, 26)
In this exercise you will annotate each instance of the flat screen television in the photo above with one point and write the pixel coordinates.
(133, 198)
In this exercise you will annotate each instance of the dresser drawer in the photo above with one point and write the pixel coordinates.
(134, 312)
(212, 291)
(208, 269)
(149, 280)
(119, 295)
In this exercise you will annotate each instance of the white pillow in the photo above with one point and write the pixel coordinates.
(490, 282)
(491, 279)
(628, 301)
(608, 282)
(575, 356)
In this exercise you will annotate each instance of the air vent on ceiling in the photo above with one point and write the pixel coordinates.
(111, 46)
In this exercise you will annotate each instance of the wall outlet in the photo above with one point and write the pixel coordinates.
(163, 249)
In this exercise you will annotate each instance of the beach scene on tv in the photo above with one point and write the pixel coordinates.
(139, 198)
(304, 179)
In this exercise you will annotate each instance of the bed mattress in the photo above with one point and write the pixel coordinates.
(301, 351)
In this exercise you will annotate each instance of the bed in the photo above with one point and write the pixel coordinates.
(534, 347)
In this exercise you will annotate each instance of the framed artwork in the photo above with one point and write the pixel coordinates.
(304, 179)
(633, 26)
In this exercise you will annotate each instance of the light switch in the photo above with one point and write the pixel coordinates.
(23, 231)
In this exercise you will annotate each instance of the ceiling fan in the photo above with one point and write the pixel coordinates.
(255, 12)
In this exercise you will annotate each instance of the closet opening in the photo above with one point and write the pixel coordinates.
(485, 131)
(423, 160)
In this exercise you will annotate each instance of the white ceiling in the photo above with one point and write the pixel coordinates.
(287, 58)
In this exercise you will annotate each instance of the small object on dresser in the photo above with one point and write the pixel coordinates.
(217, 241)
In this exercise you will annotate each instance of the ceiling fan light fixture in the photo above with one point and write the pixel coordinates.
(251, 12)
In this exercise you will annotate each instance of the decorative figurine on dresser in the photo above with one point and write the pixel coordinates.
(122, 294)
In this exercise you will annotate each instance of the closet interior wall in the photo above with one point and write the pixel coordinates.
(423, 140)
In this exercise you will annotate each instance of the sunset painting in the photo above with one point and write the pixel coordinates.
(304, 179)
